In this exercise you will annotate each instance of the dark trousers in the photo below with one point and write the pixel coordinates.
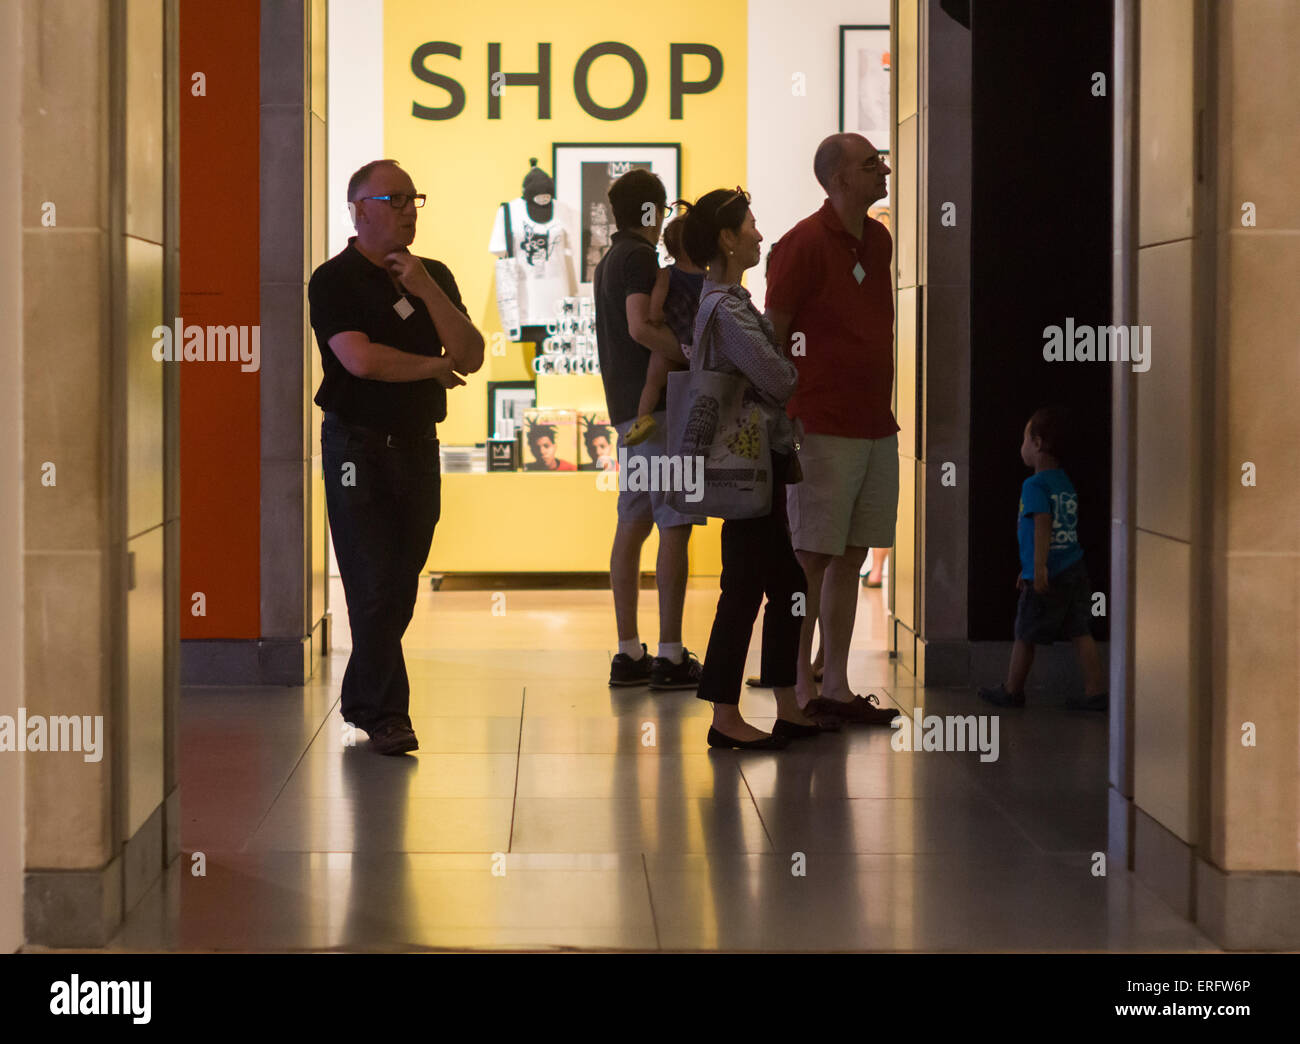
(757, 560)
(383, 502)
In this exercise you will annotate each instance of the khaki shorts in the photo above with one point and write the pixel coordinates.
(848, 496)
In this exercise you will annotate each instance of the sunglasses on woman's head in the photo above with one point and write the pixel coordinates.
(740, 193)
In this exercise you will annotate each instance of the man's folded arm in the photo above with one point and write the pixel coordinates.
(460, 337)
(372, 361)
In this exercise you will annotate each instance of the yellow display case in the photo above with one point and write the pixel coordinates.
(533, 522)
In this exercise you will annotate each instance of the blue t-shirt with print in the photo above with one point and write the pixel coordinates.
(1049, 492)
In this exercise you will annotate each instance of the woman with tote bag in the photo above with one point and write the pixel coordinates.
(732, 337)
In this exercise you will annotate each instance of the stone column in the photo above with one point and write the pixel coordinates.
(1205, 761)
(98, 483)
(11, 467)
(944, 410)
(1248, 866)
(294, 579)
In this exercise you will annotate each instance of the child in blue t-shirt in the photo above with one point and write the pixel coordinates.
(1055, 596)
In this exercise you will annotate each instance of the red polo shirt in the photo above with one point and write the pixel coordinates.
(846, 374)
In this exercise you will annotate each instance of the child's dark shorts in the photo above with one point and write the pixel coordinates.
(1063, 613)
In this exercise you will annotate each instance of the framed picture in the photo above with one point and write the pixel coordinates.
(864, 83)
(597, 442)
(583, 174)
(551, 440)
(507, 401)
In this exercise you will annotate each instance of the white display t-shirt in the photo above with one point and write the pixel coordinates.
(545, 254)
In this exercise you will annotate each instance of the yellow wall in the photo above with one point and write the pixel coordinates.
(469, 164)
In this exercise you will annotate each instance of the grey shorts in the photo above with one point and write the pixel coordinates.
(1064, 613)
(848, 496)
(649, 505)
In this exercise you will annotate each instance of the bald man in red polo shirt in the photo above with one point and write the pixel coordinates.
(831, 299)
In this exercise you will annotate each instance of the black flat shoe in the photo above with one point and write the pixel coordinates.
(759, 682)
(718, 739)
(792, 730)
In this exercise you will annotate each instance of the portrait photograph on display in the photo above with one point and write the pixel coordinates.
(864, 82)
(583, 174)
(597, 443)
(550, 440)
(598, 225)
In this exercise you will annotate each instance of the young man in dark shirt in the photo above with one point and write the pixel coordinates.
(393, 337)
(625, 337)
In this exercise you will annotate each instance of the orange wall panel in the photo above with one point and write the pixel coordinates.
(219, 275)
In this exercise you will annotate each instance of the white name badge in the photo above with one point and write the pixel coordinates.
(403, 307)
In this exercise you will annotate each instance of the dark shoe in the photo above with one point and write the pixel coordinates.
(762, 683)
(772, 742)
(999, 697)
(664, 674)
(791, 730)
(393, 738)
(861, 710)
(1100, 702)
(626, 671)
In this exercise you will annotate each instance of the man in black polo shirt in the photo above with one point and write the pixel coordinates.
(393, 335)
(625, 336)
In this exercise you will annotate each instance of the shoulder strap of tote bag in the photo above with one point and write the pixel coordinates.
(708, 305)
(510, 232)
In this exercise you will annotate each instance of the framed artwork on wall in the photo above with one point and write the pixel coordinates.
(507, 401)
(583, 174)
(864, 83)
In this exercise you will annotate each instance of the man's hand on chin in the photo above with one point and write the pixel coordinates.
(410, 272)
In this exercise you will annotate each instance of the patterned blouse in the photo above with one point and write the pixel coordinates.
(742, 340)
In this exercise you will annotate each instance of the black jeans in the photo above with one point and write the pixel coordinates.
(383, 502)
(757, 559)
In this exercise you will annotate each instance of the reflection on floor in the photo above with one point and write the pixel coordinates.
(547, 811)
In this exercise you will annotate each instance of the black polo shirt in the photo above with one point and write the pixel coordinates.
(630, 266)
(350, 292)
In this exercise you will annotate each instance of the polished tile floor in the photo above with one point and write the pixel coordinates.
(545, 811)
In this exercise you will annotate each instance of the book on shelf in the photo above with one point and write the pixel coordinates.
(597, 442)
(550, 440)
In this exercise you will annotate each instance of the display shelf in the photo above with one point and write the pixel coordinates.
(528, 522)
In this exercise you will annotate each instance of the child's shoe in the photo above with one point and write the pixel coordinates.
(642, 428)
(1100, 702)
(999, 697)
